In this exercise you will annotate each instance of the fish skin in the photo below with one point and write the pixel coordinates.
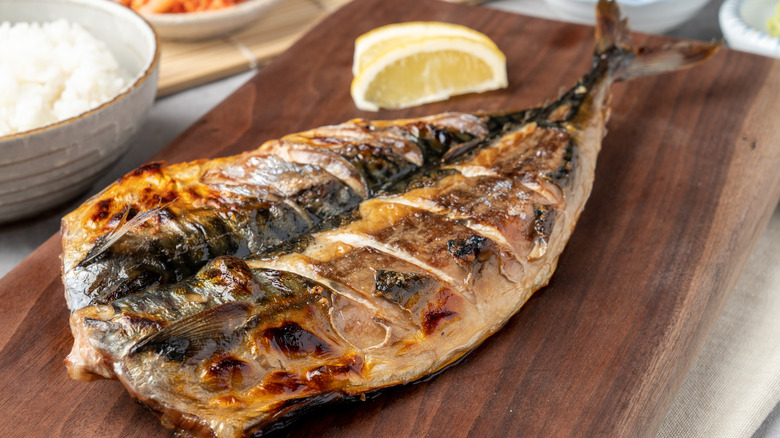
(159, 224)
(402, 285)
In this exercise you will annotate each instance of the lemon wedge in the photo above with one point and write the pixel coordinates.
(408, 64)
(382, 39)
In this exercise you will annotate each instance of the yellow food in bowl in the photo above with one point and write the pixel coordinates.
(773, 24)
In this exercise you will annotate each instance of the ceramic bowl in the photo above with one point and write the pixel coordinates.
(50, 165)
(209, 24)
(743, 23)
(649, 16)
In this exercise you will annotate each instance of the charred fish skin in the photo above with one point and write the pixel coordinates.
(418, 273)
(160, 224)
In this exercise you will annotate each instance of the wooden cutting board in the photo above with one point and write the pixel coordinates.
(188, 64)
(686, 181)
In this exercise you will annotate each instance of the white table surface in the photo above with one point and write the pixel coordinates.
(173, 114)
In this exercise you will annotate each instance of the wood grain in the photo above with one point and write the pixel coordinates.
(685, 183)
(188, 64)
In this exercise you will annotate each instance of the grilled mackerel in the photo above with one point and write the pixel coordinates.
(230, 293)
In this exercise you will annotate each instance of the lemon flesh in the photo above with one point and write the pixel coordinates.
(383, 39)
(428, 69)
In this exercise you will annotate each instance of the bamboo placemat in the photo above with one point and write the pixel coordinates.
(187, 64)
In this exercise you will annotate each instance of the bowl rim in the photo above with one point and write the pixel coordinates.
(137, 82)
(216, 14)
(731, 19)
(634, 3)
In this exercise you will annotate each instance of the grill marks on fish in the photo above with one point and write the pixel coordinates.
(226, 372)
(285, 199)
(295, 341)
(496, 207)
(420, 262)
(247, 353)
(544, 219)
(160, 224)
(405, 266)
(439, 250)
(402, 288)
(344, 295)
(375, 155)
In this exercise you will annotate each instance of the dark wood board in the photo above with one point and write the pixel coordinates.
(686, 181)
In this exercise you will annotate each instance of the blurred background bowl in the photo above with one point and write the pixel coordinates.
(44, 167)
(743, 23)
(194, 26)
(649, 16)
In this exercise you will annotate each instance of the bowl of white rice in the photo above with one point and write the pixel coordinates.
(77, 79)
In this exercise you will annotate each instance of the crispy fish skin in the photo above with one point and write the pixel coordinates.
(417, 275)
(159, 224)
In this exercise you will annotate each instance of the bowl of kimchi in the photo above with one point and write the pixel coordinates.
(200, 19)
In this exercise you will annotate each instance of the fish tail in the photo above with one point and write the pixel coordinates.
(613, 46)
(612, 31)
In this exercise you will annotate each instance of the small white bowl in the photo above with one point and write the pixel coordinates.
(193, 26)
(743, 23)
(50, 165)
(650, 16)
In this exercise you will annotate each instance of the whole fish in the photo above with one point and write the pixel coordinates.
(376, 253)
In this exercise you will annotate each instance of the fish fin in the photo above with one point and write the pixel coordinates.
(123, 227)
(203, 332)
(613, 44)
(611, 30)
(667, 58)
(461, 149)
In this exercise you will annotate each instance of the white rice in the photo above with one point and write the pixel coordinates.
(51, 72)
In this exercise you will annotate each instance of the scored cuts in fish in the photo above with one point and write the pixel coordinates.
(229, 294)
